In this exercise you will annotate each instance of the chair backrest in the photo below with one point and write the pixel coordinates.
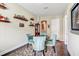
(53, 38)
(26, 38)
(30, 38)
(43, 33)
(39, 43)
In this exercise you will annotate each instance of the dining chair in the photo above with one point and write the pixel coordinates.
(52, 41)
(39, 44)
(30, 40)
(43, 33)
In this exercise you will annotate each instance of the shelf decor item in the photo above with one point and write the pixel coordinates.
(31, 24)
(20, 17)
(48, 26)
(32, 19)
(3, 6)
(4, 19)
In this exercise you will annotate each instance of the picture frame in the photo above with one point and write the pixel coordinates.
(21, 24)
(75, 17)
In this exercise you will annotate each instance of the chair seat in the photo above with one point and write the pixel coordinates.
(49, 43)
(52, 40)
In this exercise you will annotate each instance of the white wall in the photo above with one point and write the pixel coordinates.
(65, 29)
(73, 39)
(55, 27)
(11, 34)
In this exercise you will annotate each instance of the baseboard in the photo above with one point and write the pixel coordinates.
(59, 41)
(11, 49)
(68, 53)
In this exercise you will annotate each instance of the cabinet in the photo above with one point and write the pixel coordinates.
(37, 29)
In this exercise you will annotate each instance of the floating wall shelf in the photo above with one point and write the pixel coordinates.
(2, 6)
(6, 21)
(31, 24)
(20, 17)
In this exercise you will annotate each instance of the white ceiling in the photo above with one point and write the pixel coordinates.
(46, 9)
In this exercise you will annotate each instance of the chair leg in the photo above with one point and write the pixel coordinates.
(40, 51)
(27, 45)
(43, 53)
(54, 49)
(34, 53)
(45, 48)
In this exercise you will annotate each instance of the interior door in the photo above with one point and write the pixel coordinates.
(55, 27)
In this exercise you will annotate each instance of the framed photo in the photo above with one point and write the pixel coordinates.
(21, 25)
(75, 17)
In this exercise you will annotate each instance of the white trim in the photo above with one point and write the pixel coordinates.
(8, 50)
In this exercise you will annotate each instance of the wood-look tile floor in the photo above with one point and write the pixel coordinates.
(24, 51)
